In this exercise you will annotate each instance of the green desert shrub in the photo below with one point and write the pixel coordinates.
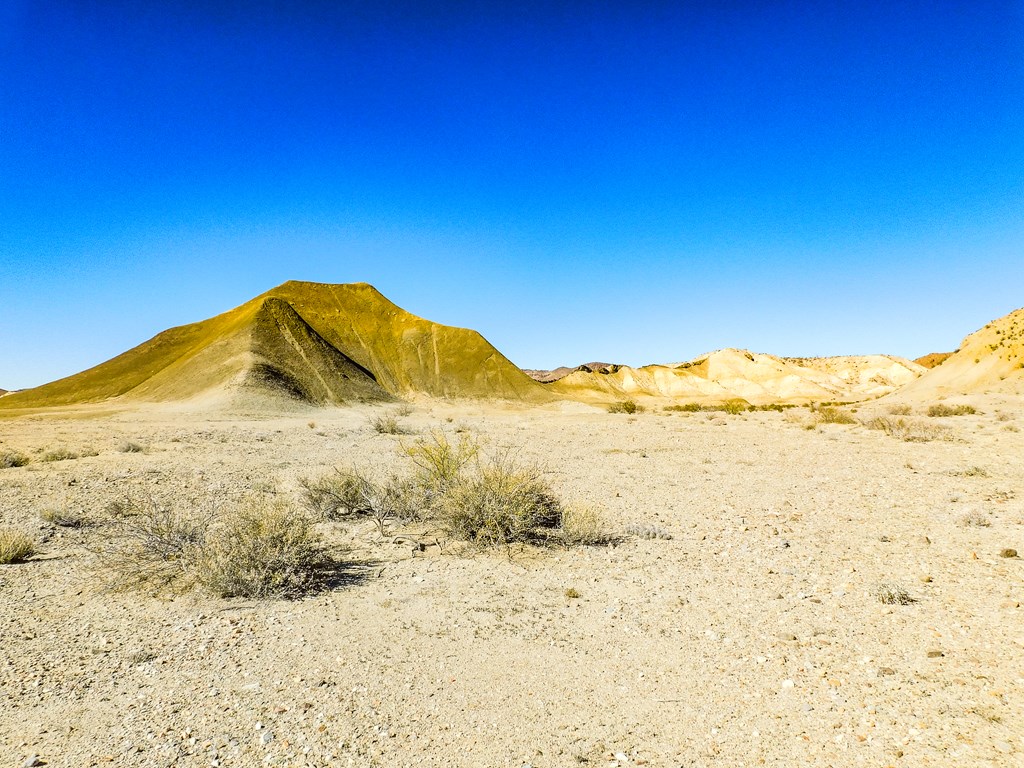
(334, 496)
(439, 462)
(734, 407)
(685, 407)
(941, 409)
(9, 459)
(15, 546)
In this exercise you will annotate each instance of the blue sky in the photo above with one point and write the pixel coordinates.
(633, 182)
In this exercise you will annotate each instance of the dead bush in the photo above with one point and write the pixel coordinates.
(15, 546)
(151, 547)
(387, 424)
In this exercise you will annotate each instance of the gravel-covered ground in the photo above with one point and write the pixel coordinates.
(735, 622)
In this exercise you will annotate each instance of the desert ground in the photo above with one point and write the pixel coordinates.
(734, 620)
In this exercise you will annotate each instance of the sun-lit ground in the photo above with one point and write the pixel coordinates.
(739, 618)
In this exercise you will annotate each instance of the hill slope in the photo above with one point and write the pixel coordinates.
(321, 344)
(757, 378)
(989, 360)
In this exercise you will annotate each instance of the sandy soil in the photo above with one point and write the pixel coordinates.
(752, 637)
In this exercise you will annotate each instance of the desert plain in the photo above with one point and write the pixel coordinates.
(753, 576)
(734, 618)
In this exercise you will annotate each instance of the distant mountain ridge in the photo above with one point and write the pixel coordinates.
(755, 377)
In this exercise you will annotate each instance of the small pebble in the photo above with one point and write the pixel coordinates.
(935, 654)
(32, 761)
(266, 737)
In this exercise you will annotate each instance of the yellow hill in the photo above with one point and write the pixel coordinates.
(757, 378)
(989, 360)
(316, 343)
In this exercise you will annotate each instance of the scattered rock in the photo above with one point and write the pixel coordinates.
(1008, 552)
(32, 761)
(935, 654)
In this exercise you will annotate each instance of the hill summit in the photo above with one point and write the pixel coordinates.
(312, 343)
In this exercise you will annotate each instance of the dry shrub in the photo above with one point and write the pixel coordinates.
(685, 407)
(335, 496)
(625, 406)
(893, 594)
(907, 430)
(58, 454)
(501, 503)
(831, 415)
(439, 462)
(10, 459)
(151, 547)
(15, 546)
(940, 409)
(262, 549)
(129, 446)
(900, 409)
(387, 424)
(975, 520)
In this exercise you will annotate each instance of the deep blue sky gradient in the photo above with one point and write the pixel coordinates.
(635, 182)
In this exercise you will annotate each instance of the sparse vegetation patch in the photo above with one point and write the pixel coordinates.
(942, 410)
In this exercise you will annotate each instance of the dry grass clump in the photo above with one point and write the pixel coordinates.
(907, 430)
(941, 409)
(583, 524)
(58, 454)
(387, 424)
(893, 594)
(129, 446)
(626, 406)
(9, 459)
(15, 546)
(900, 409)
(260, 549)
